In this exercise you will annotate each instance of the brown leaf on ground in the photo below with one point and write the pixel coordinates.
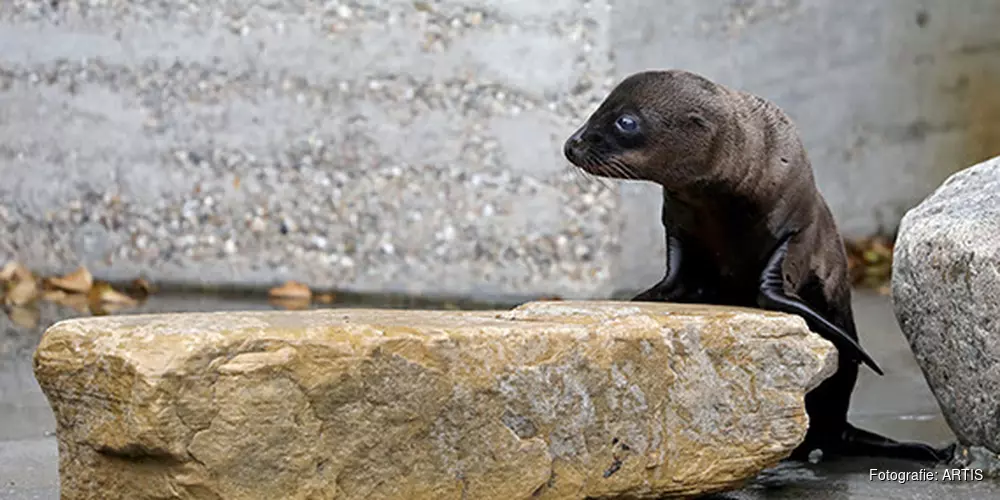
(75, 301)
(7, 272)
(290, 303)
(141, 288)
(291, 290)
(869, 262)
(106, 308)
(79, 281)
(103, 299)
(105, 294)
(879, 270)
(22, 293)
(25, 317)
(14, 271)
(326, 298)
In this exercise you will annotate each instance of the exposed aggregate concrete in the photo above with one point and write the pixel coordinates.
(405, 146)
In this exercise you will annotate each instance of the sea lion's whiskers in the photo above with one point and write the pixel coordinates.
(579, 176)
(592, 161)
(624, 169)
(612, 166)
(614, 170)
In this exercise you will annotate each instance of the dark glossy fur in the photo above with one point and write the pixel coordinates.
(735, 179)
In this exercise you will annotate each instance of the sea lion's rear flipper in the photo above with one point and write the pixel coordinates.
(668, 289)
(772, 296)
(850, 441)
(859, 442)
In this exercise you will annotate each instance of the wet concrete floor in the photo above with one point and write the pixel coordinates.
(898, 405)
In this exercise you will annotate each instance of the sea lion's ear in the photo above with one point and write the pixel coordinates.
(699, 119)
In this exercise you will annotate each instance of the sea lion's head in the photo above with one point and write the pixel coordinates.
(660, 126)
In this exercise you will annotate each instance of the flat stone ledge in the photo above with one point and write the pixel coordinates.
(552, 400)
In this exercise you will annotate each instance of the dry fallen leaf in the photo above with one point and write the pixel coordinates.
(74, 301)
(291, 290)
(869, 262)
(103, 299)
(872, 256)
(105, 308)
(7, 272)
(25, 317)
(78, 281)
(141, 288)
(14, 271)
(22, 293)
(290, 303)
(104, 293)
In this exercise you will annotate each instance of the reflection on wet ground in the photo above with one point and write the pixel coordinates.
(898, 405)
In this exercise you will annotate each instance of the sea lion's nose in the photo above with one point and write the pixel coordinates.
(572, 146)
(569, 149)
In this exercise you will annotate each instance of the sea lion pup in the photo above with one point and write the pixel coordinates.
(745, 223)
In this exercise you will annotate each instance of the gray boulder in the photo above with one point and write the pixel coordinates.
(946, 292)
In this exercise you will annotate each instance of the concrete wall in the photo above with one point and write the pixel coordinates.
(414, 145)
(371, 145)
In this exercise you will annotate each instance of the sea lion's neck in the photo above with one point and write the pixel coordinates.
(718, 212)
(698, 202)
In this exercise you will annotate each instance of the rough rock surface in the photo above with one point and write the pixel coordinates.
(552, 400)
(946, 290)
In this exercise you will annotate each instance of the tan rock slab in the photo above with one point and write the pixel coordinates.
(553, 400)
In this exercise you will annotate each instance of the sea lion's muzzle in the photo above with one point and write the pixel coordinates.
(573, 147)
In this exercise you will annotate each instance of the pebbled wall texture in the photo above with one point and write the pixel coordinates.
(414, 146)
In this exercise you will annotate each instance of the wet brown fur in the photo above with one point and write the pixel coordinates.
(734, 190)
(735, 178)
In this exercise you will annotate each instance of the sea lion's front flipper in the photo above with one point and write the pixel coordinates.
(667, 290)
(772, 296)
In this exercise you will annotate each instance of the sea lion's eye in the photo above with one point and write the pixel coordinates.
(627, 123)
